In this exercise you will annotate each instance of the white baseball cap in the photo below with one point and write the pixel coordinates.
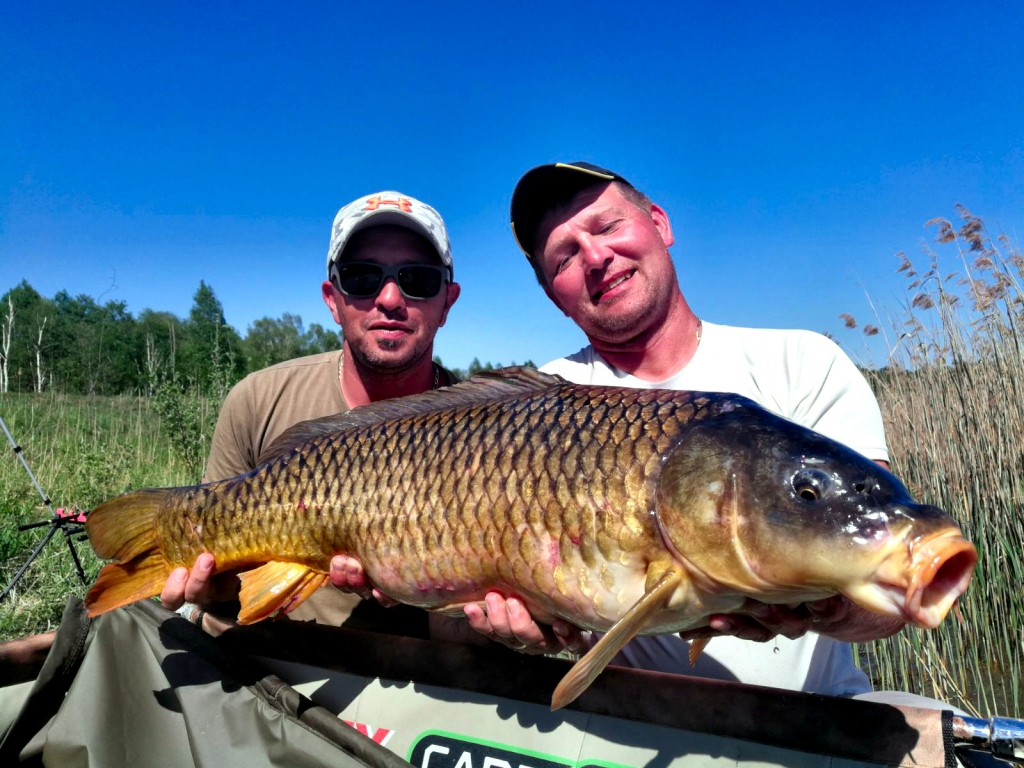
(389, 208)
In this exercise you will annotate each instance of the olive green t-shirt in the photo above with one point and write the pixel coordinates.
(258, 409)
(266, 403)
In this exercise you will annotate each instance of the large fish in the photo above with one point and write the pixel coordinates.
(626, 511)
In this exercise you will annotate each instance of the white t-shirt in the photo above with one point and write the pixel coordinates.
(806, 378)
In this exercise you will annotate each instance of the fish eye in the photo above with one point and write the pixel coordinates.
(811, 484)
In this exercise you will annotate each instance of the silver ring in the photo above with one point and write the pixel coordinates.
(192, 613)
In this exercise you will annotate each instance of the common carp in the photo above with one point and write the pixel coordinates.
(625, 511)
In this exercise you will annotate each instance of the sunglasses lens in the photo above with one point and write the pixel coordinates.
(363, 280)
(360, 280)
(420, 281)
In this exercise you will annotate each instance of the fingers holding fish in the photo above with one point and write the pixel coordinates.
(204, 592)
(173, 595)
(776, 620)
(759, 623)
(571, 638)
(834, 616)
(508, 622)
(838, 617)
(199, 585)
(347, 574)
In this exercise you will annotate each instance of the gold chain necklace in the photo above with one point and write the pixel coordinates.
(341, 366)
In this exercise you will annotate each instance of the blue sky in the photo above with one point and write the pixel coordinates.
(795, 146)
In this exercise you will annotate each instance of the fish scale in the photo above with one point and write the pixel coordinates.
(503, 501)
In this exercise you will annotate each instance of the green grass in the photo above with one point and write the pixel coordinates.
(82, 450)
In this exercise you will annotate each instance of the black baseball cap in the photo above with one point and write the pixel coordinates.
(543, 187)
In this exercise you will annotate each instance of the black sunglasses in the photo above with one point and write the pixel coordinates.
(364, 279)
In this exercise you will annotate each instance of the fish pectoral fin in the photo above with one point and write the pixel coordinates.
(697, 648)
(276, 586)
(586, 670)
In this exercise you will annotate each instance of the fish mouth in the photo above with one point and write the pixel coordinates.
(942, 567)
(922, 580)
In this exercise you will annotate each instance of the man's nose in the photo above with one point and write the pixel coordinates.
(595, 255)
(390, 298)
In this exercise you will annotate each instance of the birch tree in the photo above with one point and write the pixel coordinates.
(6, 332)
(39, 374)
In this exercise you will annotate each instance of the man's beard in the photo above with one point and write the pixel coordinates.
(367, 357)
(632, 324)
(616, 327)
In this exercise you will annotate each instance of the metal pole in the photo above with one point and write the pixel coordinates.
(21, 571)
(1002, 736)
(17, 452)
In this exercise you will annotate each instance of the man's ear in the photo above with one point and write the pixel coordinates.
(452, 293)
(662, 224)
(331, 299)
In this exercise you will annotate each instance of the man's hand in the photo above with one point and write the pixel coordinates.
(841, 619)
(347, 574)
(504, 621)
(202, 587)
(835, 617)
(507, 621)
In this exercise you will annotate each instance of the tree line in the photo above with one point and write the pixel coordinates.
(75, 345)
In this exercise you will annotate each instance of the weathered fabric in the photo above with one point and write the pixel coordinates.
(144, 687)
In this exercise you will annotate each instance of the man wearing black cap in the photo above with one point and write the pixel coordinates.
(599, 248)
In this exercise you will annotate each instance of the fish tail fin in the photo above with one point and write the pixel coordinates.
(124, 529)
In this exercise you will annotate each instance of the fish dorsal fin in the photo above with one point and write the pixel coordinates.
(483, 387)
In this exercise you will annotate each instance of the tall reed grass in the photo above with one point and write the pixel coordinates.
(954, 415)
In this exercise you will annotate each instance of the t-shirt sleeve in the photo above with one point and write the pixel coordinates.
(231, 451)
(836, 400)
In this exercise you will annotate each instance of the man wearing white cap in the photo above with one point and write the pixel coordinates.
(389, 286)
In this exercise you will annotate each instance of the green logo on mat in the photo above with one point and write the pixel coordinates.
(438, 749)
